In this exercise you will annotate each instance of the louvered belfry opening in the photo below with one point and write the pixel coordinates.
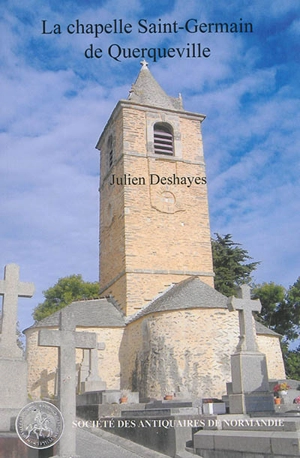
(163, 139)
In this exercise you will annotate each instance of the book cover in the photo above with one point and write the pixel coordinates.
(152, 128)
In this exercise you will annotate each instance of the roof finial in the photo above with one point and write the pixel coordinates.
(144, 63)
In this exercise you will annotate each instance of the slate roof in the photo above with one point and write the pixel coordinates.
(188, 294)
(147, 91)
(91, 313)
(261, 329)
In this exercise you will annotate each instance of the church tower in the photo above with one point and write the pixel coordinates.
(154, 220)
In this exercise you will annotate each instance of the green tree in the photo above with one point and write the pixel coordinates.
(230, 264)
(280, 312)
(280, 308)
(293, 300)
(271, 296)
(292, 363)
(65, 291)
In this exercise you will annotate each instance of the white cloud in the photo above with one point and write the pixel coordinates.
(55, 104)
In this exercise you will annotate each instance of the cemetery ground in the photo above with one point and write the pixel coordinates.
(101, 444)
(249, 395)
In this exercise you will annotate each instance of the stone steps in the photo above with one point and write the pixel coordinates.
(247, 443)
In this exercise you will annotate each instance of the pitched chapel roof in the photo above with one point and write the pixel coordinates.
(147, 91)
(190, 294)
(261, 329)
(91, 313)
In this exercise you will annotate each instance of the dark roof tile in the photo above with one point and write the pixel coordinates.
(91, 313)
(188, 294)
(147, 91)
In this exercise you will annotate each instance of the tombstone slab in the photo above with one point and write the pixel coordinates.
(12, 447)
(250, 383)
(250, 444)
(13, 388)
(13, 367)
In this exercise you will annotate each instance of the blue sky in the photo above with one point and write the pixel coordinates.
(55, 103)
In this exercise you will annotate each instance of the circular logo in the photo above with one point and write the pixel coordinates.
(39, 424)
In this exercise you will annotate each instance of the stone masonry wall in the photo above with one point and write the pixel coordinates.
(152, 227)
(42, 367)
(184, 351)
(144, 287)
(187, 352)
(270, 346)
(43, 361)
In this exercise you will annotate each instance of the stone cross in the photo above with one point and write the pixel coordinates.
(90, 359)
(67, 340)
(11, 289)
(84, 368)
(246, 306)
(89, 375)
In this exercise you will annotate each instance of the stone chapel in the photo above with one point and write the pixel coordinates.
(163, 327)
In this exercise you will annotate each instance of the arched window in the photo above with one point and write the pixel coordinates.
(110, 152)
(163, 139)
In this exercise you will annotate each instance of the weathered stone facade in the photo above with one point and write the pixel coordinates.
(165, 328)
(151, 234)
(187, 352)
(43, 361)
(167, 357)
(179, 343)
(146, 357)
(270, 346)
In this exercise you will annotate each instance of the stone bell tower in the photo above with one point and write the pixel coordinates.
(154, 221)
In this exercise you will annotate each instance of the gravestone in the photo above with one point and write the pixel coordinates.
(89, 370)
(67, 340)
(240, 435)
(250, 390)
(13, 367)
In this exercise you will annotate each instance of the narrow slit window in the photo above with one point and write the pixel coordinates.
(111, 158)
(110, 152)
(163, 139)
